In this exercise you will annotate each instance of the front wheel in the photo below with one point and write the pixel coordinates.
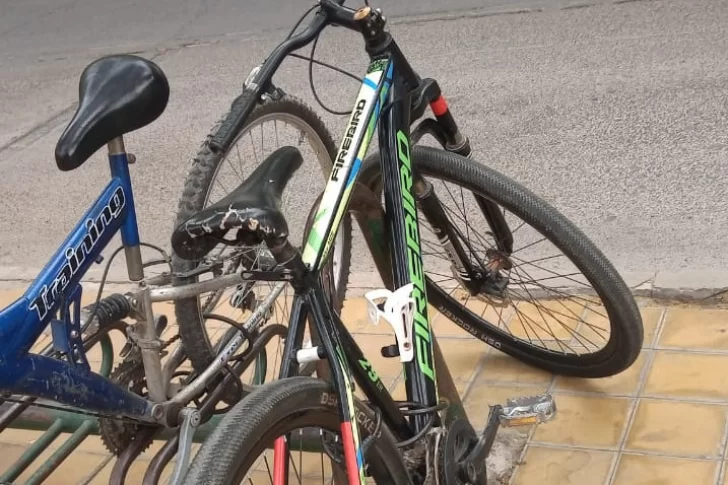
(549, 297)
(303, 410)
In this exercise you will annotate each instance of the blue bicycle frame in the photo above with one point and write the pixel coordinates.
(55, 298)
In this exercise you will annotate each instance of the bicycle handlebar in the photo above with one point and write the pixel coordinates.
(331, 12)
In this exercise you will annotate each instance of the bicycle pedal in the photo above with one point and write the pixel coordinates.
(528, 410)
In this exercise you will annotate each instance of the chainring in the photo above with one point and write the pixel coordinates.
(457, 443)
(115, 434)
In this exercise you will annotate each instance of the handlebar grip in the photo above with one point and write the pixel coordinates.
(233, 122)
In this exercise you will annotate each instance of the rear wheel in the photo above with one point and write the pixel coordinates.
(303, 409)
(553, 301)
(275, 123)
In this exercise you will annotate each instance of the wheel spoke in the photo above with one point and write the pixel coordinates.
(252, 143)
(528, 246)
(525, 263)
(536, 280)
(566, 327)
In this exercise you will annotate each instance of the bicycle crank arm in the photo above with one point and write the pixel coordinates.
(190, 421)
(520, 411)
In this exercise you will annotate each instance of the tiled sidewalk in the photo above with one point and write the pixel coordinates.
(663, 421)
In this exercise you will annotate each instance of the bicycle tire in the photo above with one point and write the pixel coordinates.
(197, 184)
(274, 410)
(626, 334)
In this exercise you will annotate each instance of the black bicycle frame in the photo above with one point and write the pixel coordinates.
(391, 95)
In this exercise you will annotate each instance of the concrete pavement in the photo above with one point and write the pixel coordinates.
(615, 113)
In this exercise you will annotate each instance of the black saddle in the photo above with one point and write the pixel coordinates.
(253, 209)
(117, 95)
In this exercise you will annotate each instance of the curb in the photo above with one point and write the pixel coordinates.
(697, 287)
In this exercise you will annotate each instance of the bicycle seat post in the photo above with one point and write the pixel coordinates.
(146, 337)
(119, 161)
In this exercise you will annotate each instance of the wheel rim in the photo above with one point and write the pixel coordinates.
(568, 319)
(278, 121)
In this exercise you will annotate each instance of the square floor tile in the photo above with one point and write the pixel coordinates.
(355, 317)
(443, 326)
(10, 453)
(594, 330)
(695, 328)
(135, 474)
(651, 316)
(585, 421)
(10, 295)
(74, 468)
(626, 382)
(16, 436)
(482, 395)
(678, 428)
(550, 466)
(596, 319)
(463, 356)
(652, 470)
(696, 376)
(500, 367)
(95, 446)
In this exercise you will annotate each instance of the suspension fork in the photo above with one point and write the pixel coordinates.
(445, 130)
(492, 214)
(445, 232)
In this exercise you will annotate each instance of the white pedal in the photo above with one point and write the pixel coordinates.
(399, 312)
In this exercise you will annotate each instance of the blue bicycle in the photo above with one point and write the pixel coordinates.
(119, 94)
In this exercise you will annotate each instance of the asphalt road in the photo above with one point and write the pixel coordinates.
(616, 113)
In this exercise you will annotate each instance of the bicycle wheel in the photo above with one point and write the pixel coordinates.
(275, 123)
(292, 407)
(553, 275)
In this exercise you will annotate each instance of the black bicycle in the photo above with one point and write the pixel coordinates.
(502, 285)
